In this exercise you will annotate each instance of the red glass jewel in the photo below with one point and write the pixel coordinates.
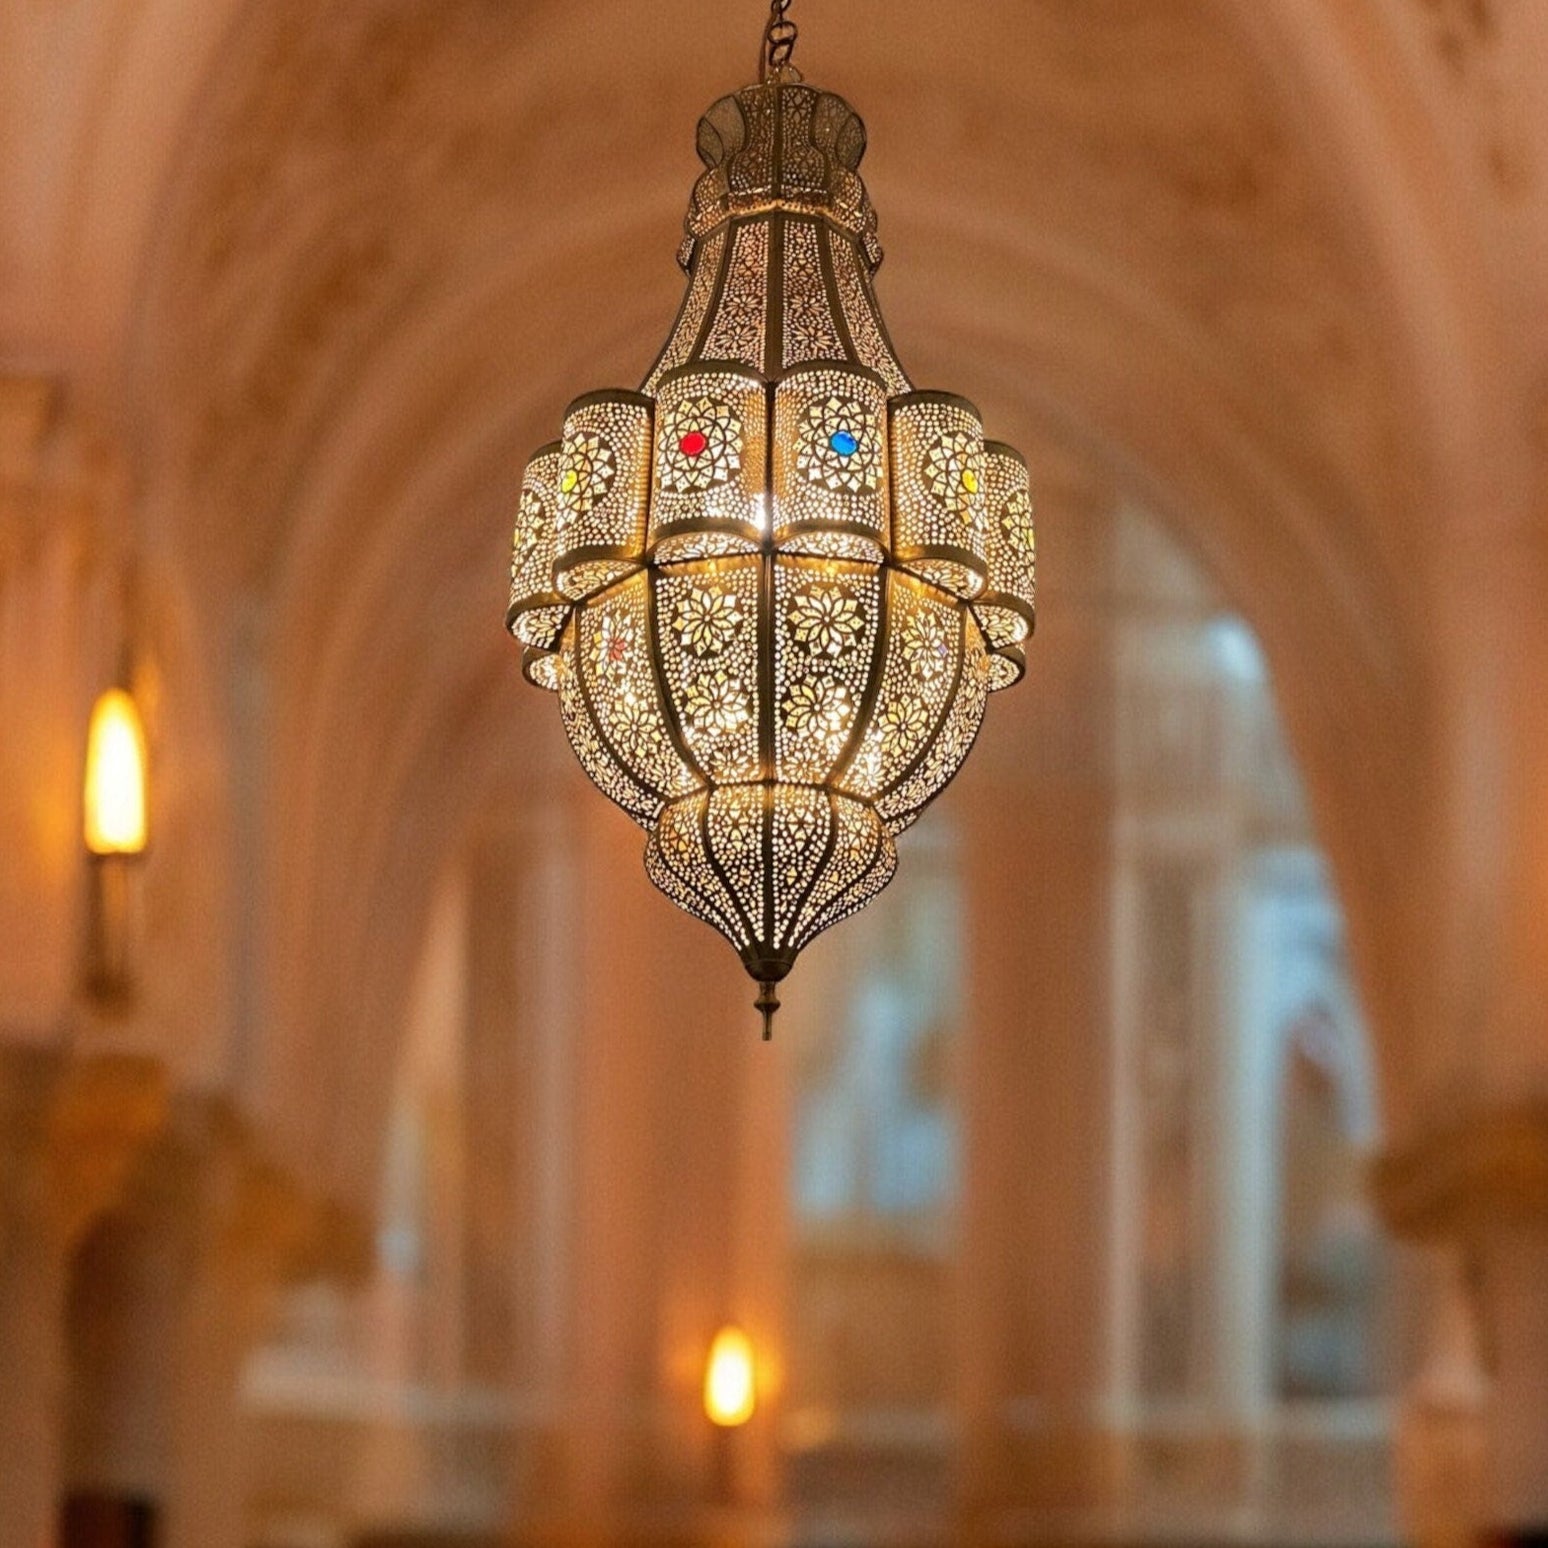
(693, 443)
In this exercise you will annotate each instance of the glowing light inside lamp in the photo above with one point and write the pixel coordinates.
(730, 1390)
(114, 806)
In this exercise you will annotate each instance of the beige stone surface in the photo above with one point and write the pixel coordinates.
(287, 291)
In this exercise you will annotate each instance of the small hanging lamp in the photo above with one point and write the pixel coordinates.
(774, 587)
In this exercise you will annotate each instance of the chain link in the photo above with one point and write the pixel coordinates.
(779, 40)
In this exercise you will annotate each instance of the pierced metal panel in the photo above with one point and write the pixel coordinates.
(827, 619)
(707, 641)
(677, 860)
(830, 463)
(604, 769)
(690, 320)
(810, 331)
(918, 676)
(537, 611)
(785, 146)
(616, 668)
(1005, 608)
(1005, 668)
(938, 472)
(863, 861)
(710, 495)
(872, 348)
(603, 491)
(900, 806)
(541, 668)
(801, 826)
(741, 312)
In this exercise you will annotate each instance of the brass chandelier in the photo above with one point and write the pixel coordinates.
(774, 587)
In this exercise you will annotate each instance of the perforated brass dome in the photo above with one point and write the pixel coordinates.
(774, 587)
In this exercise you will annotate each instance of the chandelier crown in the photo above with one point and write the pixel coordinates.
(784, 145)
(774, 587)
(780, 245)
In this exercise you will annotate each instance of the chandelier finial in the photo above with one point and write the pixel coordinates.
(768, 1003)
(779, 41)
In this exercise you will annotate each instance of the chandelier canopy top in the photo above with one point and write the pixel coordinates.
(773, 588)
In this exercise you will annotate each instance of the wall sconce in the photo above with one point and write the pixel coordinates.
(115, 831)
(730, 1379)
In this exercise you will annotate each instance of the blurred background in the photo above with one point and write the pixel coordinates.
(1163, 1158)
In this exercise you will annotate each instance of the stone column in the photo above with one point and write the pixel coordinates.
(251, 1230)
(523, 997)
(1513, 1279)
(1469, 1092)
(661, 1011)
(59, 617)
(69, 1135)
(131, 1283)
(166, 1298)
(1483, 1184)
(615, 1202)
(1034, 1280)
(1439, 1443)
(1035, 811)
(32, 1253)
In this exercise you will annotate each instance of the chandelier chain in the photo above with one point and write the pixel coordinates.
(779, 40)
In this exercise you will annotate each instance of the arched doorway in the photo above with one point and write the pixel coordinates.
(1062, 1233)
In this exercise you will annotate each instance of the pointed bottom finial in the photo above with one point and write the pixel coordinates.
(768, 1003)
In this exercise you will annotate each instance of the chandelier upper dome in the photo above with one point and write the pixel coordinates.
(785, 145)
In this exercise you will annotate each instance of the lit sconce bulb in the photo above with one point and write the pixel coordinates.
(730, 1393)
(115, 831)
(114, 806)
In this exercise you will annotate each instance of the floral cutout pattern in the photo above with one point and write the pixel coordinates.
(826, 619)
(927, 646)
(699, 445)
(615, 641)
(716, 702)
(531, 527)
(840, 445)
(587, 468)
(904, 721)
(1016, 523)
(817, 706)
(639, 726)
(707, 620)
(954, 475)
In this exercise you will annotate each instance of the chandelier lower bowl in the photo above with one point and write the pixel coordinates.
(770, 864)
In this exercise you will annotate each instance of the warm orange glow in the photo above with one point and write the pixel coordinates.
(729, 1387)
(114, 807)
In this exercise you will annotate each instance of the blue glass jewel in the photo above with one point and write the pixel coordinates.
(844, 443)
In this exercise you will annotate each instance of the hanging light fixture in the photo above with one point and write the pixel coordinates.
(773, 588)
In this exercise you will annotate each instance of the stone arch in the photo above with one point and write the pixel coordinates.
(1148, 259)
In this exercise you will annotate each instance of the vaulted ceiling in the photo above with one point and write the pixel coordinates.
(328, 271)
